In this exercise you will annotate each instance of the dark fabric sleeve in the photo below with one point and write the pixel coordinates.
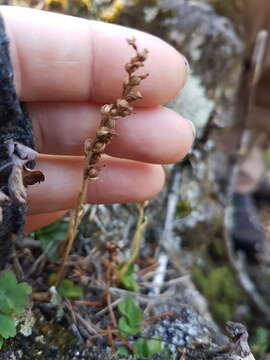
(15, 124)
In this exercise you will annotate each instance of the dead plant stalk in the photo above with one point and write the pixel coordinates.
(95, 147)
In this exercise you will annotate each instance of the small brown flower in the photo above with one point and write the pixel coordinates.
(110, 113)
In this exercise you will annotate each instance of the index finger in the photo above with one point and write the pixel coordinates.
(62, 58)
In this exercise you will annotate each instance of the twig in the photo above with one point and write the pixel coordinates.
(95, 148)
(110, 339)
(112, 316)
(141, 298)
(90, 327)
(157, 317)
(17, 266)
(160, 273)
(43, 296)
(26, 242)
(88, 303)
(42, 257)
(124, 342)
(147, 270)
(172, 199)
(76, 332)
(176, 281)
(107, 308)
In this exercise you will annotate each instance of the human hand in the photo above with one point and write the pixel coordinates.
(64, 69)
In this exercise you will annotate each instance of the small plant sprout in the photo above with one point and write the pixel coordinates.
(129, 324)
(13, 299)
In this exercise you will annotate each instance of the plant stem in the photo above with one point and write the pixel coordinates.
(75, 219)
(136, 240)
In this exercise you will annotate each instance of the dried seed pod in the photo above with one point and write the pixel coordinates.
(115, 118)
(126, 83)
(132, 66)
(92, 173)
(114, 112)
(135, 80)
(127, 112)
(132, 97)
(132, 42)
(144, 76)
(106, 109)
(103, 131)
(87, 146)
(95, 158)
(111, 122)
(104, 134)
(122, 104)
(99, 147)
(142, 56)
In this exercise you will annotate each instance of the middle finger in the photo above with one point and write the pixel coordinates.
(156, 135)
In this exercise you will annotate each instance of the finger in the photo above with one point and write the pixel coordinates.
(34, 222)
(120, 181)
(58, 57)
(157, 135)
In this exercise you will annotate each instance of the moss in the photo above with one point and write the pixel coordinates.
(260, 343)
(219, 287)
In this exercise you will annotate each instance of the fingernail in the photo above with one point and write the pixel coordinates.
(193, 129)
(187, 65)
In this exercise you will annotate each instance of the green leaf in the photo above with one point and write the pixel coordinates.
(125, 327)
(147, 347)
(261, 339)
(184, 208)
(123, 352)
(7, 326)
(166, 354)
(140, 348)
(50, 236)
(130, 310)
(128, 283)
(13, 296)
(127, 280)
(154, 346)
(69, 289)
(130, 269)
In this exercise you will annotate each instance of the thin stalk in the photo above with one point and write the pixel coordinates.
(136, 240)
(75, 219)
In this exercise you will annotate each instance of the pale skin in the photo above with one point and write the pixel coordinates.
(65, 68)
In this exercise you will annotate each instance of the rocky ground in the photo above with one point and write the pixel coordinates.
(182, 277)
